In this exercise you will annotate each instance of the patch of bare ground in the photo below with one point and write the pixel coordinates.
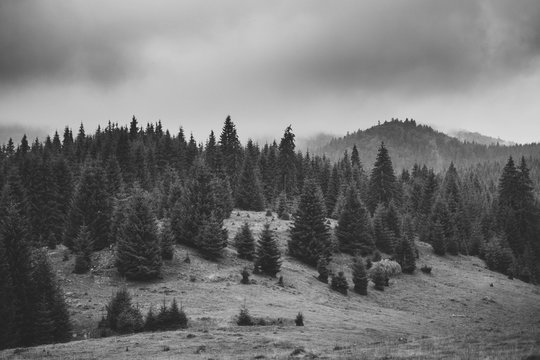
(462, 310)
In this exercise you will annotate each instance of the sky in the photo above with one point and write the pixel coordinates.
(321, 66)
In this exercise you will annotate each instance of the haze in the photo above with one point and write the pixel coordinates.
(321, 66)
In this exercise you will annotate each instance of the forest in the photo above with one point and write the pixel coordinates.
(138, 189)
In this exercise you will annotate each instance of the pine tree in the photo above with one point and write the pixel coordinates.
(166, 240)
(49, 299)
(138, 255)
(339, 283)
(83, 247)
(310, 237)
(287, 164)
(231, 151)
(245, 243)
(283, 209)
(437, 238)
(354, 228)
(268, 255)
(384, 237)
(212, 237)
(322, 269)
(404, 256)
(359, 274)
(250, 193)
(7, 302)
(382, 183)
(90, 206)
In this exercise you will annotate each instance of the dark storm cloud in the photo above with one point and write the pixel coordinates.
(301, 46)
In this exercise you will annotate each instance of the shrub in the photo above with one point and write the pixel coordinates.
(177, 318)
(376, 256)
(280, 281)
(339, 283)
(150, 324)
(82, 265)
(369, 263)
(129, 321)
(379, 278)
(245, 276)
(389, 268)
(322, 268)
(299, 321)
(498, 257)
(426, 269)
(268, 212)
(244, 318)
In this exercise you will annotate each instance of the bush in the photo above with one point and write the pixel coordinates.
(268, 212)
(244, 318)
(82, 265)
(245, 276)
(426, 269)
(369, 263)
(322, 268)
(299, 321)
(389, 268)
(280, 282)
(376, 256)
(171, 318)
(150, 324)
(339, 283)
(379, 278)
(129, 321)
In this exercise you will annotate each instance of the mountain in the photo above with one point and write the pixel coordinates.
(475, 137)
(409, 142)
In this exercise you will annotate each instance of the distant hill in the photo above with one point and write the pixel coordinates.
(410, 143)
(474, 137)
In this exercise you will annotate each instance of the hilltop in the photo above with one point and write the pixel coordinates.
(460, 310)
(410, 143)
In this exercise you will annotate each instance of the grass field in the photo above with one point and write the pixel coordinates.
(462, 310)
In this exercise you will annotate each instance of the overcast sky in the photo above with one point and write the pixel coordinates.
(322, 66)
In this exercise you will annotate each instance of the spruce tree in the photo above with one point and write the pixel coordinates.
(359, 274)
(268, 255)
(339, 283)
(245, 243)
(138, 254)
(166, 240)
(91, 205)
(310, 237)
(231, 151)
(83, 247)
(384, 237)
(249, 193)
(7, 302)
(287, 164)
(404, 255)
(212, 237)
(354, 231)
(382, 183)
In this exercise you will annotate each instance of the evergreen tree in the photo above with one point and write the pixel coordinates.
(359, 274)
(354, 228)
(83, 247)
(339, 283)
(7, 302)
(250, 193)
(333, 190)
(231, 151)
(404, 256)
(382, 183)
(138, 255)
(287, 164)
(212, 237)
(52, 319)
(322, 269)
(166, 240)
(310, 238)
(245, 243)
(91, 206)
(268, 255)
(283, 209)
(384, 236)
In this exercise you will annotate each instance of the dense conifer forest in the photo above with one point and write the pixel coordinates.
(139, 189)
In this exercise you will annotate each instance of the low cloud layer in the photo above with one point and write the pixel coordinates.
(195, 60)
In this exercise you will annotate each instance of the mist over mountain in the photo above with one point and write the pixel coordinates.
(475, 137)
(409, 142)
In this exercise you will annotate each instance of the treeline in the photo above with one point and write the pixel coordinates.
(412, 143)
(140, 189)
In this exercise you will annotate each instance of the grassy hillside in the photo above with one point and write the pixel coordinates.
(461, 310)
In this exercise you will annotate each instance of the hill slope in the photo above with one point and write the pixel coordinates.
(410, 143)
(462, 309)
